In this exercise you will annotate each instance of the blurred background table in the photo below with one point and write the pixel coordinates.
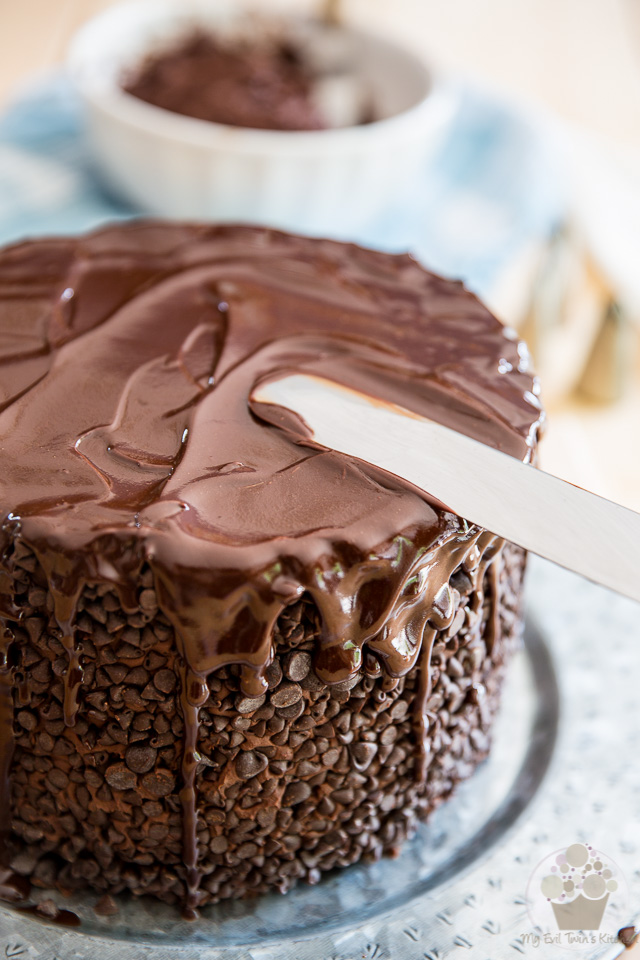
(580, 59)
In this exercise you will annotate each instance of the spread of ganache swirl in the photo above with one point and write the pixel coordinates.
(128, 436)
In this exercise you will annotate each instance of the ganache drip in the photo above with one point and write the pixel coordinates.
(129, 437)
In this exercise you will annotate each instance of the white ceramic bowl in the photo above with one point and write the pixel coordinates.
(332, 182)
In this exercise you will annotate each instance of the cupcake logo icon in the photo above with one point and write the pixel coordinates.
(576, 895)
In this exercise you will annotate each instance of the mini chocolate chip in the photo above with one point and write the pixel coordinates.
(131, 635)
(330, 757)
(138, 676)
(336, 838)
(98, 699)
(389, 735)
(333, 708)
(342, 722)
(313, 683)
(153, 661)
(278, 767)
(58, 778)
(160, 783)
(106, 906)
(265, 712)
(308, 769)
(248, 704)
(241, 723)
(165, 681)
(296, 793)
(455, 668)
(297, 665)
(37, 597)
(42, 671)
(92, 777)
(362, 754)
(53, 711)
(276, 725)
(55, 727)
(45, 742)
(344, 685)
(396, 757)
(326, 807)
(148, 601)
(399, 710)
(286, 695)
(326, 730)
(461, 582)
(304, 723)
(47, 908)
(150, 692)
(247, 850)
(479, 740)
(292, 712)
(120, 777)
(249, 764)
(458, 620)
(266, 816)
(344, 796)
(143, 721)
(117, 672)
(273, 674)
(140, 759)
(305, 751)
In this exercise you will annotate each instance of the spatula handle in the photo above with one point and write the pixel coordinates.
(563, 523)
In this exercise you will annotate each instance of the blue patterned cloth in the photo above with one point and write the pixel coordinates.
(491, 187)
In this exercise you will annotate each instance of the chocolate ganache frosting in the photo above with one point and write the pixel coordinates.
(129, 436)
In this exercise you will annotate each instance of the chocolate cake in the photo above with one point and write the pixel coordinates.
(233, 659)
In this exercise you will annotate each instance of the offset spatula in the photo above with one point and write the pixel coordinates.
(563, 523)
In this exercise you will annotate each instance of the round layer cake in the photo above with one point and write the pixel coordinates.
(234, 659)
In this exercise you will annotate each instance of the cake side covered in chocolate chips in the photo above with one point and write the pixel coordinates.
(234, 659)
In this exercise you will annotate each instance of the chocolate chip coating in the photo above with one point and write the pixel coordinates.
(298, 806)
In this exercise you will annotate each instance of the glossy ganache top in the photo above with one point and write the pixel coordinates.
(128, 434)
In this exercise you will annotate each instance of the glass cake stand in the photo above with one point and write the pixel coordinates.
(557, 773)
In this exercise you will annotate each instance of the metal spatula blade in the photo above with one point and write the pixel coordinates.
(550, 517)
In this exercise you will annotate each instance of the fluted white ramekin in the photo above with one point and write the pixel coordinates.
(332, 182)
